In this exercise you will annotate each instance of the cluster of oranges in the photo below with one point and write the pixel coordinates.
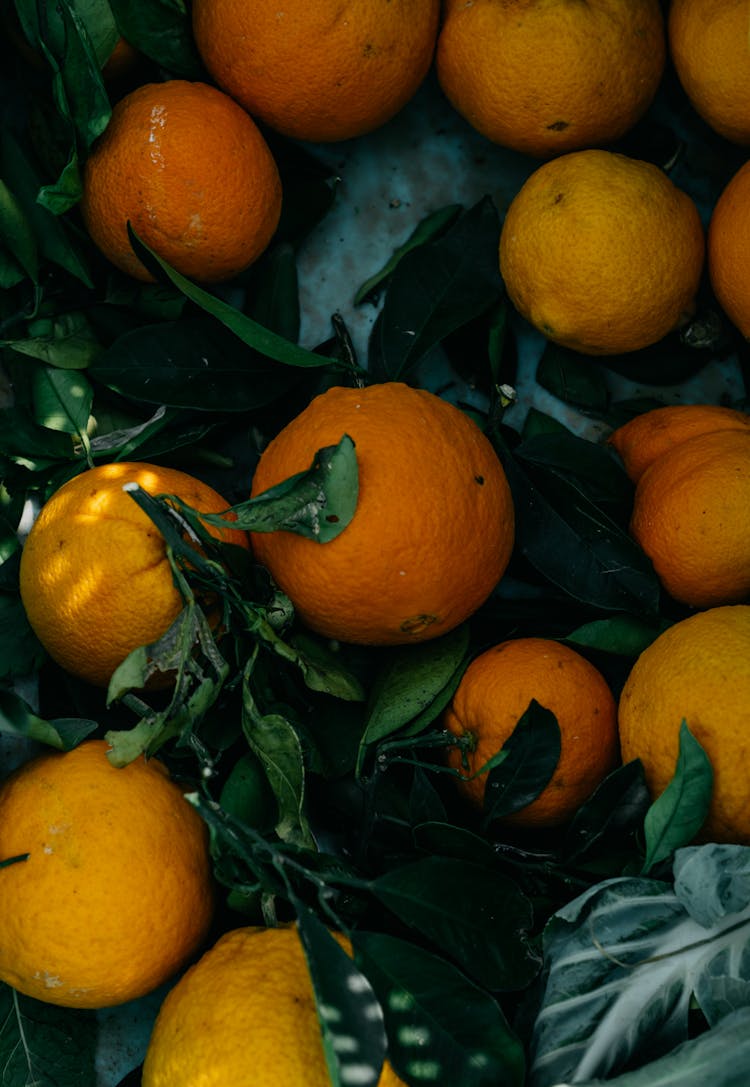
(600, 252)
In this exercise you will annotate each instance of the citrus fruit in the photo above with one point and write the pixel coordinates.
(645, 437)
(698, 671)
(690, 516)
(323, 71)
(547, 76)
(602, 252)
(494, 693)
(95, 577)
(115, 892)
(191, 172)
(708, 45)
(432, 532)
(244, 1014)
(729, 249)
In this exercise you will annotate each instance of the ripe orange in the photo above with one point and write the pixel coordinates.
(191, 172)
(601, 252)
(244, 1014)
(697, 670)
(549, 77)
(690, 516)
(95, 579)
(319, 71)
(496, 691)
(645, 437)
(432, 533)
(115, 894)
(708, 44)
(729, 249)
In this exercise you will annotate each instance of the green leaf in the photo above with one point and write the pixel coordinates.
(573, 378)
(442, 1028)
(623, 635)
(247, 795)
(318, 503)
(16, 719)
(21, 652)
(350, 1016)
(62, 400)
(532, 754)
(65, 340)
(160, 29)
(624, 960)
(489, 940)
(677, 815)
(616, 806)
(414, 686)
(17, 234)
(432, 226)
(273, 296)
(250, 332)
(437, 288)
(45, 1046)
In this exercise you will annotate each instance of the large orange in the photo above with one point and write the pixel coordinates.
(95, 578)
(698, 671)
(115, 893)
(323, 71)
(708, 42)
(729, 249)
(496, 691)
(191, 172)
(433, 529)
(690, 516)
(645, 437)
(245, 1014)
(602, 252)
(548, 76)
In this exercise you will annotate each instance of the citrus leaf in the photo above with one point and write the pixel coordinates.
(677, 815)
(442, 1028)
(66, 341)
(432, 896)
(160, 29)
(45, 1046)
(350, 1016)
(618, 804)
(62, 399)
(16, 233)
(573, 378)
(17, 719)
(624, 635)
(532, 754)
(624, 959)
(21, 652)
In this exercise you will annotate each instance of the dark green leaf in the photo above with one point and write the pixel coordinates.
(350, 1016)
(677, 815)
(478, 917)
(160, 29)
(62, 400)
(433, 225)
(437, 288)
(573, 378)
(247, 795)
(274, 294)
(616, 806)
(16, 719)
(587, 465)
(16, 233)
(533, 751)
(45, 1046)
(67, 341)
(442, 1028)
(624, 635)
(21, 653)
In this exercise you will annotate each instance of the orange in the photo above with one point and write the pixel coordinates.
(95, 578)
(698, 670)
(690, 515)
(245, 1014)
(323, 71)
(115, 895)
(187, 167)
(431, 535)
(708, 42)
(549, 76)
(496, 690)
(601, 252)
(729, 249)
(645, 437)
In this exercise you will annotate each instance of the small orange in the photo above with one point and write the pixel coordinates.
(95, 579)
(245, 1014)
(549, 76)
(323, 71)
(601, 252)
(115, 894)
(708, 42)
(645, 437)
(690, 516)
(729, 249)
(698, 670)
(191, 172)
(431, 535)
(497, 689)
